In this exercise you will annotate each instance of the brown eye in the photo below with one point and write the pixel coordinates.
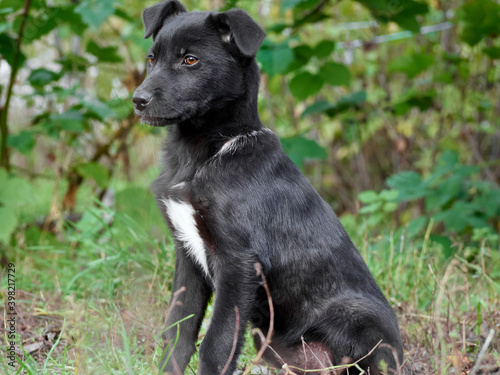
(190, 60)
(151, 60)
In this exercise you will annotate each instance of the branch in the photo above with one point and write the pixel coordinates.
(235, 340)
(354, 364)
(4, 154)
(265, 341)
(482, 352)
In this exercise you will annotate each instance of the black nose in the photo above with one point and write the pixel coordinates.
(141, 100)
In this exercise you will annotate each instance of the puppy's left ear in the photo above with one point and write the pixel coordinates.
(237, 25)
(153, 17)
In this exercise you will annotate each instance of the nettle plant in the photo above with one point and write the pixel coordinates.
(452, 196)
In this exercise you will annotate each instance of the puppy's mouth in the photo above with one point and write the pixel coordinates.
(155, 121)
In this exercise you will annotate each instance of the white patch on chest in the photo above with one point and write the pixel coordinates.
(181, 215)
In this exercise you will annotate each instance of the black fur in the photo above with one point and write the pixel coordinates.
(251, 205)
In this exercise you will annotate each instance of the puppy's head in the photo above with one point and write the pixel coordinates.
(198, 62)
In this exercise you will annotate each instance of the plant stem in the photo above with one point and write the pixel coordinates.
(4, 153)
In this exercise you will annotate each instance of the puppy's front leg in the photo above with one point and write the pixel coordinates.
(193, 300)
(235, 287)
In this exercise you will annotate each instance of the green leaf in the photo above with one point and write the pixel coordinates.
(324, 49)
(302, 54)
(375, 5)
(347, 102)
(492, 52)
(489, 200)
(446, 191)
(411, 65)
(302, 6)
(300, 148)
(95, 171)
(95, 12)
(304, 85)
(368, 196)
(408, 184)
(8, 223)
(415, 226)
(406, 18)
(71, 62)
(101, 110)
(342, 105)
(23, 141)
(481, 19)
(317, 107)
(104, 54)
(389, 195)
(10, 6)
(371, 208)
(277, 27)
(422, 100)
(71, 120)
(314, 17)
(121, 108)
(41, 77)
(39, 25)
(14, 191)
(290, 4)
(403, 12)
(454, 218)
(404, 180)
(8, 48)
(68, 15)
(390, 206)
(476, 221)
(335, 74)
(275, 58)
(445, 242)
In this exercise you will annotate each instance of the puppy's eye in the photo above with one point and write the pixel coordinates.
(151, 59)
(190, 60)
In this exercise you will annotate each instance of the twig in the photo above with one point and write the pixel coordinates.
(258, 268)
(304, 344)
(4, 155)
(482, 352)
(399, 365)
(235, 340)
(166, 343)
(265, 341)
(354, 364)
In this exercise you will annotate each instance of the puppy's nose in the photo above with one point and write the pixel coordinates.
(141, 100)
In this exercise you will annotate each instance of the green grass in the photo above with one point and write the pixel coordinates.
(104, 290)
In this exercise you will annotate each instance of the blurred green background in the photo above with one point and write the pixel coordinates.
(391, 108)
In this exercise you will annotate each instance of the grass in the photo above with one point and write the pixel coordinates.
(94, 301)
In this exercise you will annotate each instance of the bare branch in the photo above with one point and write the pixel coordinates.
(235, 340)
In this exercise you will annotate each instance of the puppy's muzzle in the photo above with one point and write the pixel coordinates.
(141, 100)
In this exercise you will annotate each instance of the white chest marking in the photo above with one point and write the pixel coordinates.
(181, 215)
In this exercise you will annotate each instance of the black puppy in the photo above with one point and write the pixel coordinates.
(232, 198)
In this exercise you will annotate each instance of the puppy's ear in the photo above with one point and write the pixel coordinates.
(237, 25)
(153, 17)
